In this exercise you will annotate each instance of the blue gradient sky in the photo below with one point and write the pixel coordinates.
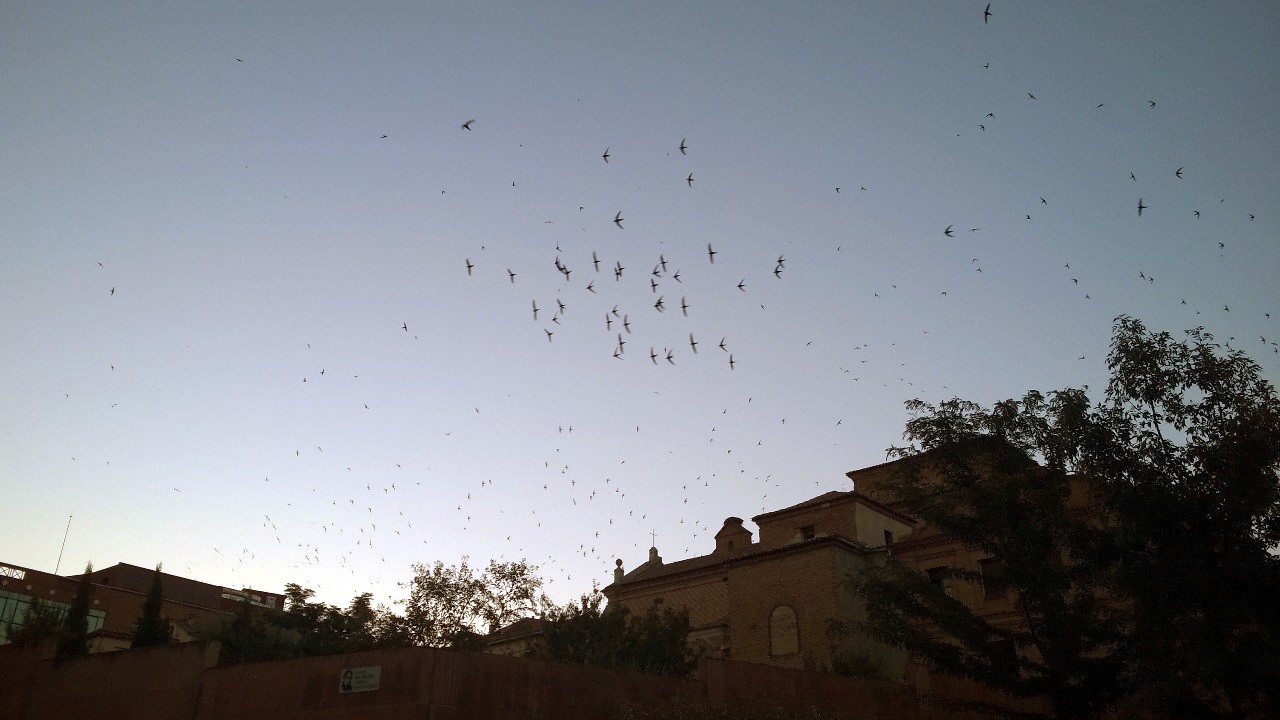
(223, 168)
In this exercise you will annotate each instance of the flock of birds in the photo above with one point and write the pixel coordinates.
(660, 277)
(597, 292)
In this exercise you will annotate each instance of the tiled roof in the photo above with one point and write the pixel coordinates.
(645, 571)
(823, 498)
(519, 628)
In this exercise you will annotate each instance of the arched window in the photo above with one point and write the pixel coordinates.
(784, 635)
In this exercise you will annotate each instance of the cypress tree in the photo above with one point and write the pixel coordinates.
(152, 628)
(74, 640)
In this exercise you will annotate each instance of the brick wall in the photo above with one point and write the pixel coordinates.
(807, 577)
(160, 683)
(176, 683)
(430, 683)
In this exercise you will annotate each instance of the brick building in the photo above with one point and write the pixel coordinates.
(773, 601)
(522, 638)
(118, 594)
(930, 551)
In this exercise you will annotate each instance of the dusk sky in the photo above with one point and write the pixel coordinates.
(238, 334)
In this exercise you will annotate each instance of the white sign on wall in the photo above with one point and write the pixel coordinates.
(15, 573)
(361, 679)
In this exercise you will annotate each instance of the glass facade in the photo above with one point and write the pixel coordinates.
(13, 611)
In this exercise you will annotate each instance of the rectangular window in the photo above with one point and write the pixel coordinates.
(1005, 657)
(995, 581)
(888, 537)
(938, 576)
(807, 532)
(13, 613)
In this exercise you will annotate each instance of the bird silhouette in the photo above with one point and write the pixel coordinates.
(511, 275)
(947, 232)
(986, 14)
(1178, 173)
(605, 156)
(1141, 207)
(467, 125)
(693, 343)
(469, 266)
(617, 219)
(683, 147)
(711, 254)
(690, 179)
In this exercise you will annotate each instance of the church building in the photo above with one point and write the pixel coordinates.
(774, 599)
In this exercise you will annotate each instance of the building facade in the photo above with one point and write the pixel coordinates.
(118, 594)
(775, 600)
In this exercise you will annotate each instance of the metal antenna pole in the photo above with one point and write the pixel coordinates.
(64, 544)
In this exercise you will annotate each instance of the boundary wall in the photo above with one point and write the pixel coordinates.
(183, 682)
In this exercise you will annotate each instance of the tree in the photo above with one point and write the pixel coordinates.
(584, 633)
(1186, 454)
(1183, 457)
(447, 603)
(510, 591)
(245, 638)
(654, 642)
(40, 622)
(442, 602)
(322, 629)
(73, 641)
(989, 494)
(152, 628)
(365, 627)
